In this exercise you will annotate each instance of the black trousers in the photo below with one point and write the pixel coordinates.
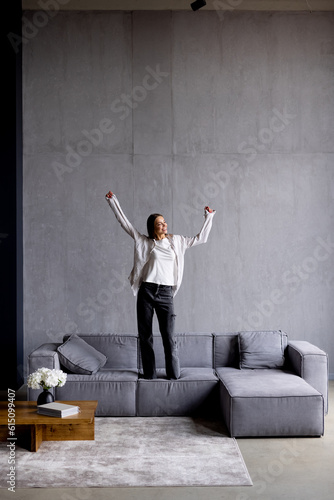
(158, 298)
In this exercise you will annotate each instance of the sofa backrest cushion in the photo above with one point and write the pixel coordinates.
(194, 349)
(262, 349)
(226, 351)
(121, 350)
(226, 348)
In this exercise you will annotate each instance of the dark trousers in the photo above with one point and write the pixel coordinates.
(158, 298)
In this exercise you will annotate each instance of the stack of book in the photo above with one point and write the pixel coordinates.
(57, 410)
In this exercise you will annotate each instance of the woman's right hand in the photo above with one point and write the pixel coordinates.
(109, 195)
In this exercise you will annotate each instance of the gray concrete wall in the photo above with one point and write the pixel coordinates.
(173, 111)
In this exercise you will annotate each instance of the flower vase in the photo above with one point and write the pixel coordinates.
(45, 397)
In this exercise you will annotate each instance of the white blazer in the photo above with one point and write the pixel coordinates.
(144, 245)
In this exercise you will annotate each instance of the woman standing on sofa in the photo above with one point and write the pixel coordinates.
(156, 277)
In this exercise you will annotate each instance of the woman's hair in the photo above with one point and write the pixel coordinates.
(150, 225)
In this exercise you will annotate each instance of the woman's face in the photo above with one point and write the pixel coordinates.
(160, 227)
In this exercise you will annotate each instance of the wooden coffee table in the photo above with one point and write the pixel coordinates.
(44, 428)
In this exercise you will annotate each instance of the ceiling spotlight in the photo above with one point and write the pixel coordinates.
(198, 4)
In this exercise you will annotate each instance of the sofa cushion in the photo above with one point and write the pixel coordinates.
(194, 349)
(261, 349)
(226, 350)
(79, 357)
(195, 392)
(269, 402)
(115, 391)
(120, 349)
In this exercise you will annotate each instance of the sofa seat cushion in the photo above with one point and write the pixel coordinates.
(196, 391)
(115, 391)
(264, 383)
(269, 402)
(200, 374)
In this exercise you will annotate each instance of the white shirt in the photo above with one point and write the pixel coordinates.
(143, 245)
(161, 267)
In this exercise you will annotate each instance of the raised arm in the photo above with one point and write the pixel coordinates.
(120, 216)
(203, 235)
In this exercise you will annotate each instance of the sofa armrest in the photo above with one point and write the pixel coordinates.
(310, 363)
(44, 356)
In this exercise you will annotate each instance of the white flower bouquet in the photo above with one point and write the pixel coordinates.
(46, 378)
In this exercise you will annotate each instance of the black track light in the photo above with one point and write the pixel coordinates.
(198, 4)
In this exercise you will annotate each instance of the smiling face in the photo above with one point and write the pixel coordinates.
(160, 227)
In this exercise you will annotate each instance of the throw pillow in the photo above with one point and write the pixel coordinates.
(262, 349)
(79, 357)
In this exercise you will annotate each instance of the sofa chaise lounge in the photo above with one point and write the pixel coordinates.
(259, 382)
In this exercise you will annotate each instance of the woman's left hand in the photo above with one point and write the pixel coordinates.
(208, 209)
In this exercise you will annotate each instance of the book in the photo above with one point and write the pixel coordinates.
(57, 409)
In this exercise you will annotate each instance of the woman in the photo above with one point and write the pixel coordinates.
(156, 277)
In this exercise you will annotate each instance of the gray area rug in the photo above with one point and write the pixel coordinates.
(162, 451)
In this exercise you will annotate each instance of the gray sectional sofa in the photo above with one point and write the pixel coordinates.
(260, 383)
